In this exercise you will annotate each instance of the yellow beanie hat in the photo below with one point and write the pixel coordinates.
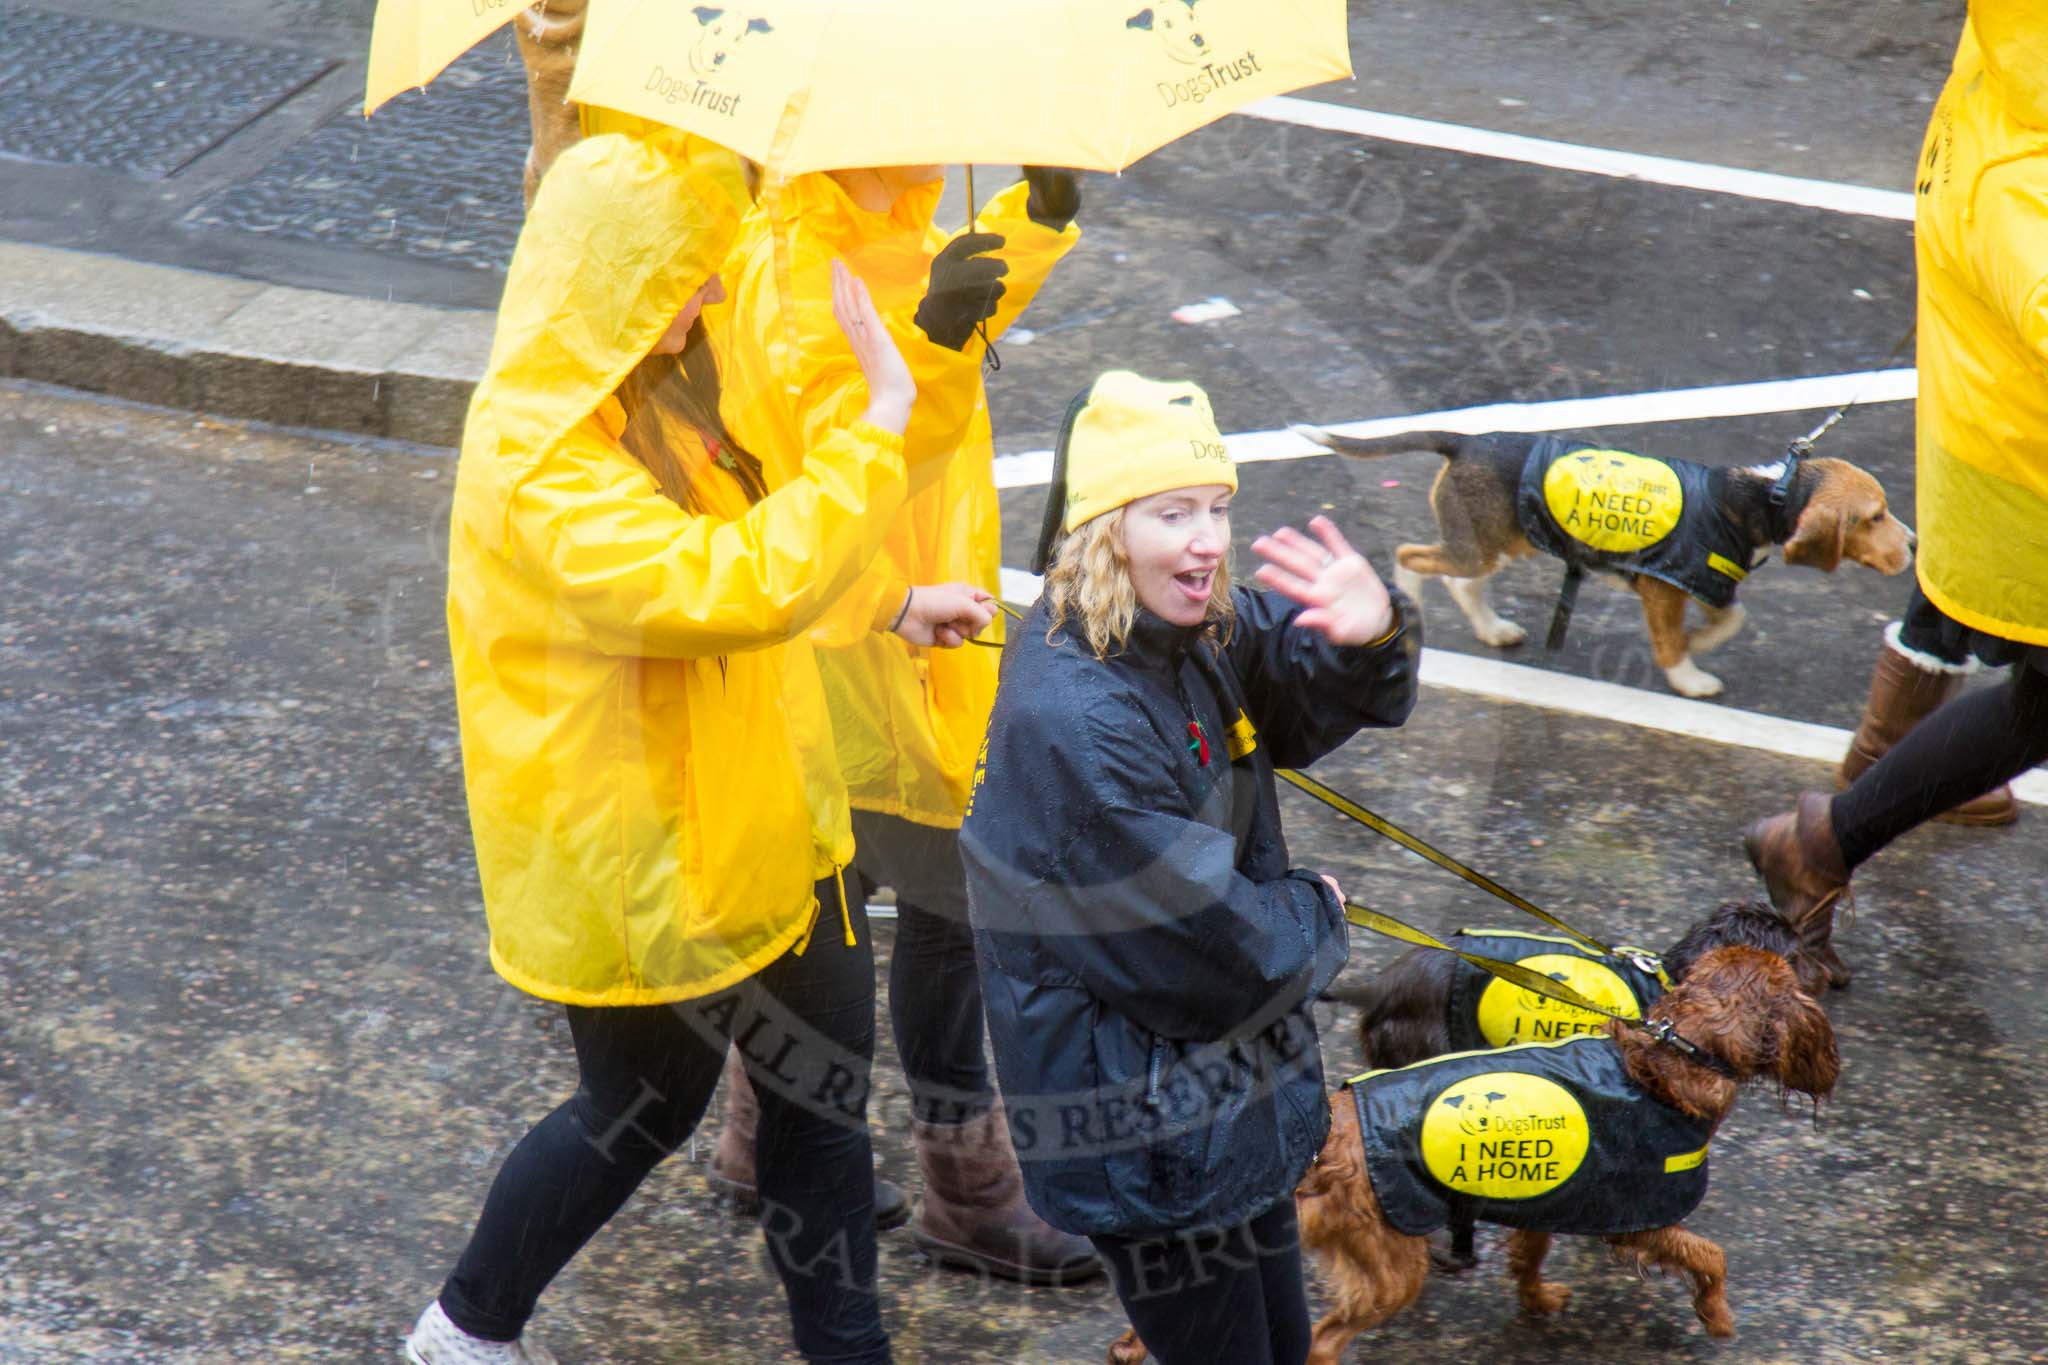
(1131, 437)
(1127, 437)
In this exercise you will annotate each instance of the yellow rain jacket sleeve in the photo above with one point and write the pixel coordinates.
(790, 374)
(640, 713)
(1981, 236)
(907, 721)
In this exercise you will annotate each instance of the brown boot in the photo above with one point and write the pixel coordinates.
(1902, 693)
(973, 1215)
(1802, 868)
(731, 1175)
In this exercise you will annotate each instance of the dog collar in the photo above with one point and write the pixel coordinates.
(1663, 1032)
(1781, 491)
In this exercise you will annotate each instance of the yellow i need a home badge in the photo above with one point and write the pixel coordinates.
(1508, 1014)
(1504, 1135)
(1613, 500)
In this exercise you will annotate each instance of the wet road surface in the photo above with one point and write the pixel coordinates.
(256, 1071)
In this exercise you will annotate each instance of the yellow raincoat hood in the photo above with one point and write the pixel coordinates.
(639, 711)
(603, 264)
(1981, 237)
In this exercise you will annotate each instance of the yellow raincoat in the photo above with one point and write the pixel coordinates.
(1981, 235)
(907, 721)
(641, 717)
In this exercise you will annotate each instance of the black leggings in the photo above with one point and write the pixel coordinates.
(1964, 749)
(935, 1006)
(1216, 1294)
(805, 1027)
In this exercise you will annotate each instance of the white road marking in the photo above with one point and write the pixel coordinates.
(1033, 468)
(1526, 686)
(1569, 156)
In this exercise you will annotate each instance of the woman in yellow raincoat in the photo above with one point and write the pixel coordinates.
(908, 721)
(1981, 239)
(642, 727)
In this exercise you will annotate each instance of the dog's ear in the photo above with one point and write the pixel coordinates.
(706, 13)
(1816, 541)
(1142, 19)
(1805, 1057)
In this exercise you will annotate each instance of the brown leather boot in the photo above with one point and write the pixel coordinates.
(1802, 867)
(1901, 695)
(973, 1215)
(731, 1174)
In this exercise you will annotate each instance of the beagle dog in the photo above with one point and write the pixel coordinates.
(1667, 529)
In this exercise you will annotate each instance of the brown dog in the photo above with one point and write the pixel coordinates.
(1406, 1012)
(1669, 529)
(1741, 1005)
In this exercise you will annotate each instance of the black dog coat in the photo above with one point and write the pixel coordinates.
(1625, 513)
(1548, 1136)
(1485, 1011)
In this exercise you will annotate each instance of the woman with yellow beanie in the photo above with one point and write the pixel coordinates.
(1148, 958)
(643, 734)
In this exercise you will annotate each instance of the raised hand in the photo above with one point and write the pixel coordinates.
(891, 390)
(1346, 601)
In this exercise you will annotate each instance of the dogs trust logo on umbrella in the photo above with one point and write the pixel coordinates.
(723, 30)
(1180, 32)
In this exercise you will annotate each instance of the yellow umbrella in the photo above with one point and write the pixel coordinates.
(805, 85)
(413, 41)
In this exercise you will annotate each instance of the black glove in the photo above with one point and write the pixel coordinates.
(965, 285)
(1055, 197)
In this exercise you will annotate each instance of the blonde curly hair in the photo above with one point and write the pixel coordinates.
(1088, 585)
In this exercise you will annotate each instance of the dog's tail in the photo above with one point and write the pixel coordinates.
(1449, 444)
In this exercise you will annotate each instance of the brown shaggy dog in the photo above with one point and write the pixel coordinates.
(1741, 1004)
(1404, 1012)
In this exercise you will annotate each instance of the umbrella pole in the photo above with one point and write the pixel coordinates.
(970, 196)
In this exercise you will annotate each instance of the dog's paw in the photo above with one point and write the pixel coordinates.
(1127, 1349)
(1501, 634)
(1688, 679)
(1718, 1321)
(1545, 1297)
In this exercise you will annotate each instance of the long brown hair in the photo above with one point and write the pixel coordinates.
(667, 398)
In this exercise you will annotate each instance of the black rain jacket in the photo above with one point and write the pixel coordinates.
(1147, 957)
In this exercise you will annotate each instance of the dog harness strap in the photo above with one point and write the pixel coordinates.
(1567, 600)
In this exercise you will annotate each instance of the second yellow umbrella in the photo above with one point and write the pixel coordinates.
(805, 85)
(413, 41)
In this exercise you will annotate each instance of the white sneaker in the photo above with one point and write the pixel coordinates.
(437, 1341)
